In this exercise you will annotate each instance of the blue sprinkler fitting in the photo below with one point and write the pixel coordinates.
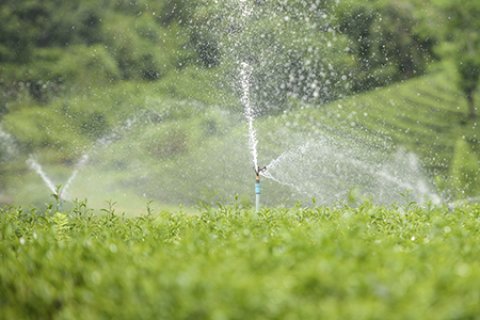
(257, 196)
(257, 187)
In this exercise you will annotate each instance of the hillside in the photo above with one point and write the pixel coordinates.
(425, 115)
(415, 135)
(148, 92)
(152, 158)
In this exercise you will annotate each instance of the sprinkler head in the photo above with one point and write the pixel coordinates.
(258, 171)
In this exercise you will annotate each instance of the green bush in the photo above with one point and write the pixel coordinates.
(464, 171)
(390, 41)
(55, 70)
(229, 263)
(38, 128)
(86, 67)
(197, 84)
(169, 141)
(143, 49)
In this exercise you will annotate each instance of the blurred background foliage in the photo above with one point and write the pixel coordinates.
(48, 46)
(71, 72)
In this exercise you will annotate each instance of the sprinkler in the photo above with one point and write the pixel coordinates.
(258, 171)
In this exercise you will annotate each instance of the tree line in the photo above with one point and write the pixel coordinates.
(311, 50)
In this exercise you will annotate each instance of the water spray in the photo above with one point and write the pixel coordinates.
(79, 165)
(57, 192)
(245, 74)
(246, 71)
(34, 165)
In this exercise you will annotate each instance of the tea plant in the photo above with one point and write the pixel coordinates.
(228, 263)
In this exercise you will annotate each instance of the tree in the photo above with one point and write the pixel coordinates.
(463, 31)
(390, 40)
(15, 45)
(468, 67)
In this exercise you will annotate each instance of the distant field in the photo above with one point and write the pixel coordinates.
(227, 263)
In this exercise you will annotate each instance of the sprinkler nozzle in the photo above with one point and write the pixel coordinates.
(258, 171)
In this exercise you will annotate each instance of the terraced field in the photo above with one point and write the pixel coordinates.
(425, 115)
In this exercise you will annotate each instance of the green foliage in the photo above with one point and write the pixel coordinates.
(54, 70)
(423, 115)
(14, 45)
(390, 42)
(199, 150)
(79, 69)
(293, 50)
(172, 140)
(197, 84)
(142, 49)
(314, 60)
(462, 30)
(464, 171)
(89, 43)
(469, 71)
(37, 128)
(46, 24)
(176, 11)
(360, 263)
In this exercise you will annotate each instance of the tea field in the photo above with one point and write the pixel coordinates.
(229, 263)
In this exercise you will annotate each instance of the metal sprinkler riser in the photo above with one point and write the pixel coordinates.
(258, 189)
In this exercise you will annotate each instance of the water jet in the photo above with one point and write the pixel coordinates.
(37, 167)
